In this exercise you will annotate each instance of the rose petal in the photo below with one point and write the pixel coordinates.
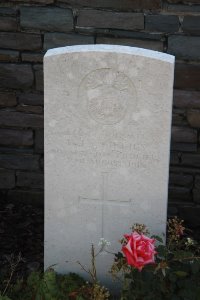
(139, 250)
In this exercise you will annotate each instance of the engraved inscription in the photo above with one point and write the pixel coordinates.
(105, 153)
(107, 94)
(103, 200)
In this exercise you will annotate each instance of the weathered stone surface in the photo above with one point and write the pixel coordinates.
(54, 39)
(8, 23)
(19, 162)
(184, 147)
(32, 57)
(184, 1)
(9, 55)
(183, 8)
(184, 134)
(7, 99)
(35, 1)
(187, 47)
(117, 33)
(147, 44)
(179, 117)
(172, 210)
(34, 109)
(31, 180)
(191, 159)
(191, 24)
(27, 197)
(196, 195)
(47, 18)
(174, 158)
(20, 41)
(187, 76)
(116, 4)
(135, 34)
(39, 77)
(179, 194)
(181, 180)
(193, 117)
(13, 137)
(7, 11)
(7, 179)
(190, 214)
(31, 99)
(197, 182)
(107, 129)
(106, 19)
(186, 99)
(162, 23)
(16, 76)
(18, 119)
(16, 150)
(185, 170)
(39, 141)
(42, 163)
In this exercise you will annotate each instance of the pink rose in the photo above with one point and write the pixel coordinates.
(139, 250)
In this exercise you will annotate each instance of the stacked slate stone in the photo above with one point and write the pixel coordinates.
(28, 28)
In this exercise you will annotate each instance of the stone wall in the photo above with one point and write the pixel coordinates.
(29, 27)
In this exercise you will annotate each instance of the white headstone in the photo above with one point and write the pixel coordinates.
(107, 139)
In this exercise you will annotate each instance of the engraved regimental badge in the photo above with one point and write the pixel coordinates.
(107, 94)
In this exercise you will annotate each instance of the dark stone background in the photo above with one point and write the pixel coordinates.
(27, 29)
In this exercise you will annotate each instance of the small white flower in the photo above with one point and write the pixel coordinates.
(190, 241)
(103, 243)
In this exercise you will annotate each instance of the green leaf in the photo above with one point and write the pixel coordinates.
(174, 297)
(172, 277)
(50, 288)
(195, 266)
(118, 255)
(33, 280)
(181, 255)
(162, 251)
(158, 238)
(181, 273)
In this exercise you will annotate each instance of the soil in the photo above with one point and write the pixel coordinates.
(21, 231)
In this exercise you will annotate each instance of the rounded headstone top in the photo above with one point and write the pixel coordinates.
(112, 48)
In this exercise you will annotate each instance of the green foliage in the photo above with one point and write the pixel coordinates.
(175, 275)
(158, 238)
(53, 286)
(180, 282)
(47, 286)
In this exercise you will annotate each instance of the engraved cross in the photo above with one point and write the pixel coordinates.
(103, 200)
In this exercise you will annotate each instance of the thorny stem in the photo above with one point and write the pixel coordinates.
(109, 252)
(84, 269)
(13, 268)
(186, 258)
(102, 249)
(169, 244)
(8, 282)
(94, 271)
(95, 255)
